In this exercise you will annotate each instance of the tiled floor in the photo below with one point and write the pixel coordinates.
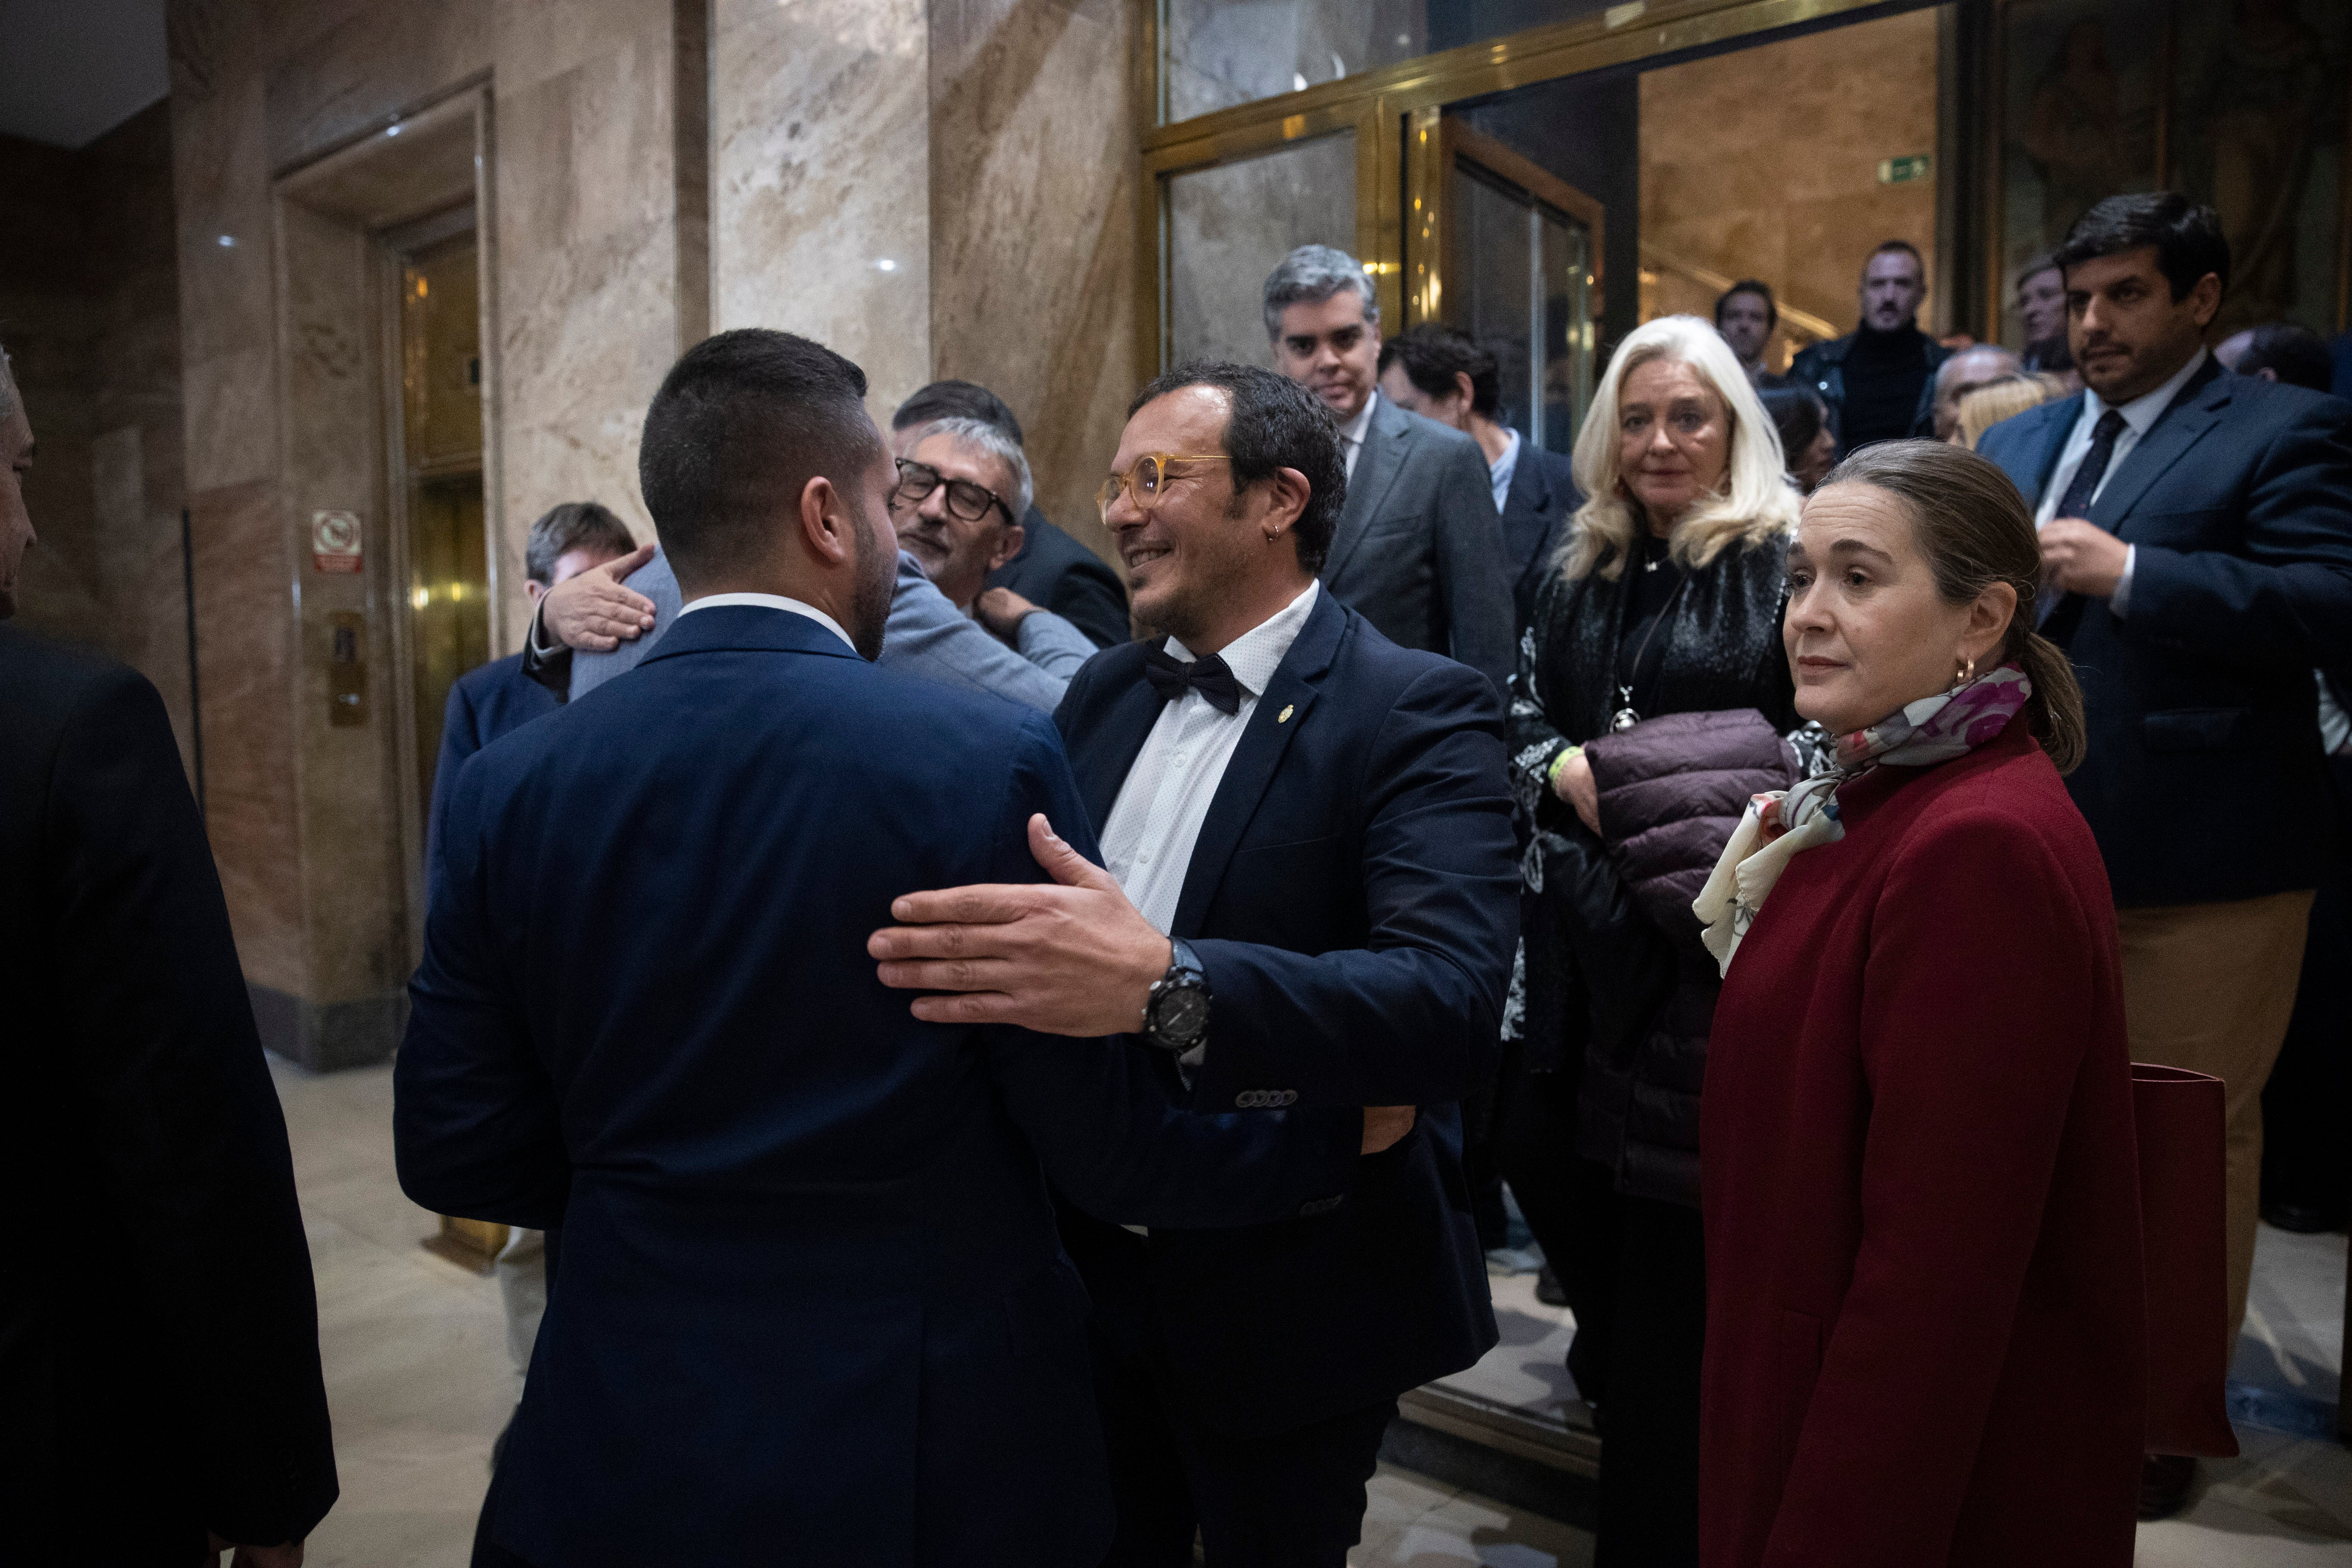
(419, 1380)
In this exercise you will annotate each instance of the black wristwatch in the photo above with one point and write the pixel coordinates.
(1176, 1015)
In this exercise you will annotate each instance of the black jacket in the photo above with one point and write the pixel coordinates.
(1822, 366)
(2239, 501)
(1610, 996)
(1054, 572)
(1351, 898)
(159, 1337)
(1536, 509)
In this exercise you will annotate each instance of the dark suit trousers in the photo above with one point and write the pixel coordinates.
(1292, 1499)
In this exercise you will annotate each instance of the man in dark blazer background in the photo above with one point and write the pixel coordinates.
(812, 1301)
(1444, 374)
(489, 701)
(1418, 551)
(160, 1390)
(1051, 570)
(2198, 527)
(1313, 825)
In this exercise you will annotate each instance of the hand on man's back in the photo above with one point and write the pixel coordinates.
(593, 612)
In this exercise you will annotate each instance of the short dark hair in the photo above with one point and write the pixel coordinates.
(1434, 354)
(1883, 246)
(956, 400)
(569, 526)
(1762, 290)
(1796, 413)
(2291, 351)
(2187, 237)
(1272, 423)
(741, 419)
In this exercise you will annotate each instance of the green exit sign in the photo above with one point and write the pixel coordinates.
(1899, 171)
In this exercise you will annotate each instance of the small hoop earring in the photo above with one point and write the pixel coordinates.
(1963, 673)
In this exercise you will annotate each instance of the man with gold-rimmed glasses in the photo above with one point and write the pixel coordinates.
(1309, 831)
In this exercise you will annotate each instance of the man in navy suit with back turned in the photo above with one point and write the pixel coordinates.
(814, 1306)
(2198, 527)
(1311, 829)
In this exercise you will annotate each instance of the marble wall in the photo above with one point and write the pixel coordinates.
(1034, 171)
(89, 312)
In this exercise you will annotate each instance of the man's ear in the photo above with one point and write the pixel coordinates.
(1287, 493)
(533, 590)
(825, 522)
(1463, 390)
(2205, 300)
(1008, 546)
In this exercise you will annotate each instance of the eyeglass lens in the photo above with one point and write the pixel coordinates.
(966, 500)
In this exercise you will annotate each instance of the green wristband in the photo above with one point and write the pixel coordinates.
(1551, 774)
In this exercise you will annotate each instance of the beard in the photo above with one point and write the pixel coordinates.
(869, 598)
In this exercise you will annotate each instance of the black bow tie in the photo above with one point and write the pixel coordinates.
(1169, 676)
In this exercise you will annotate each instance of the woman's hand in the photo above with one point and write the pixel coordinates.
(1573, 784)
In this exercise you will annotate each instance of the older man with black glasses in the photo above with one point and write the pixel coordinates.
(961, 488)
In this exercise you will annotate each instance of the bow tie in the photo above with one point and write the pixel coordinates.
(1170, 676)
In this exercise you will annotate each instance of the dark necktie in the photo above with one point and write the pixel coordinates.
(2076, 501)
(1171, 677)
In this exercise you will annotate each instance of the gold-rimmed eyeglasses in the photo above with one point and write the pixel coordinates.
(1147, 477)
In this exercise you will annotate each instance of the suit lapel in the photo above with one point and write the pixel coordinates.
(1281, 712)
(1530, 481)
(2056, 424)
(2182, 424)
(1377, 467)
(1106, 755)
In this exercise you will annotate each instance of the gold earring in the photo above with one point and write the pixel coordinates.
(1964, 672)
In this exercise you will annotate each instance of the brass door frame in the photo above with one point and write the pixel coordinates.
(1377, 106)
(1435, 141)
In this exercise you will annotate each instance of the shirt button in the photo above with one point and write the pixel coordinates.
(1179, 759)
(1144, 859)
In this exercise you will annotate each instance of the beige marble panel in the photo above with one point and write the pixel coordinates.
(821, 180)
(244, 650)
(232, 415)
(1033, 176)
(353, 64)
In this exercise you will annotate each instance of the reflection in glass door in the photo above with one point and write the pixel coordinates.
(1521, 274)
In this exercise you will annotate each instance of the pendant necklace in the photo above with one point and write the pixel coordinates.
(1625, 717)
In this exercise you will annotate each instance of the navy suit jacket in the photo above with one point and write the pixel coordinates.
(1054, 572)
(812, 1299)
(1353, 899)
(2204, 781)
(484, 703)
(1542, 497)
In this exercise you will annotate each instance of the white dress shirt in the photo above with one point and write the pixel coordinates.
(770, 602)
(1500, 471)
(1352, 433)
(2139, 414)
(1147, 843)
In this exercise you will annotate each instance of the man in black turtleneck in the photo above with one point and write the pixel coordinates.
(1879, 379)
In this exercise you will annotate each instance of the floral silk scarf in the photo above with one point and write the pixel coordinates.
(1784, 823)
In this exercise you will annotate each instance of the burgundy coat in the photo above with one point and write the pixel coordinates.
(1926, 1319)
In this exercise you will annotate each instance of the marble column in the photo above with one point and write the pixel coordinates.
(821, 180)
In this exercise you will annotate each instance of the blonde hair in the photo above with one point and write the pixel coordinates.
(1757, 502)
(2007, 398)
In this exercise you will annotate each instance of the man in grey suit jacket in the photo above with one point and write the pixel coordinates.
(1419, 552)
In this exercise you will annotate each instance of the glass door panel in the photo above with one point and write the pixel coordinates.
(1230, 225)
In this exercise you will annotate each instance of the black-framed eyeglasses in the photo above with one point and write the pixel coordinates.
(966, 500)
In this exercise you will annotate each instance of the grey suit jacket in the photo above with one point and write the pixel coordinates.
(1419, 551)
(925, 635)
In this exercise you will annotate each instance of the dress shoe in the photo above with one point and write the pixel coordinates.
(1548, 1289)
(2165, 1481)
(2304, 1218)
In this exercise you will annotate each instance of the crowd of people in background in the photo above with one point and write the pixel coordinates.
(1403, 797)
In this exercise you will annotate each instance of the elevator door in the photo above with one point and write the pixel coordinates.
(441, 444)
(1522, 275)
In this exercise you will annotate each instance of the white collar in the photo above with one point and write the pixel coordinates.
(2141, 411)
(1510, 458)
(1253, 656)
(770, 602)
(1356, 429)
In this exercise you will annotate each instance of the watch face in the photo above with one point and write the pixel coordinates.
(1182, 1013)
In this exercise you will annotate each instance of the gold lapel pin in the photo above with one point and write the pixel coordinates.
(1284, 717)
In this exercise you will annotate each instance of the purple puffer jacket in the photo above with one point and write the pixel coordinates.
(1671, 790)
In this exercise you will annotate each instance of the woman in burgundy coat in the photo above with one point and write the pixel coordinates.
(1926, 1330)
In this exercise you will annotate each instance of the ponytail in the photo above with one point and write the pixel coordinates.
(2054, 711)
